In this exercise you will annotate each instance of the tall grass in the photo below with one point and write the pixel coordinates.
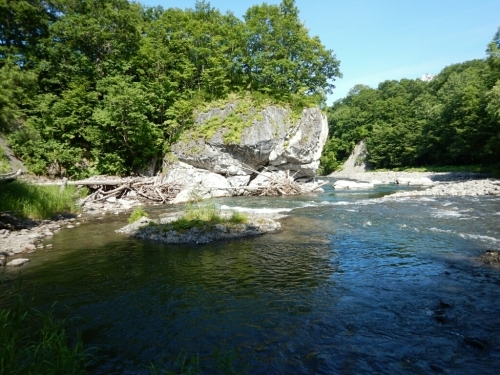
(202, 215)
(32, 342)
(37, 202)
(4, 162)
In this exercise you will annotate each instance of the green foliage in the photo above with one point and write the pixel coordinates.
(107, 86)
(238, 218)
(37, 202)
(136, 214)
(4, 162)
(452, 120)
(34, 342)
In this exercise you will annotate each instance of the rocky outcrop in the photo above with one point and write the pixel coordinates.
(229, 148)
(145, 228)
(271, 137)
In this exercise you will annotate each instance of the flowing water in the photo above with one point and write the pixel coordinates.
(355, 283)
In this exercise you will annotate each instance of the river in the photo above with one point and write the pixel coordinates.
(355, 283)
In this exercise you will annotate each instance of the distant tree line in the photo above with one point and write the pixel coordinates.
(105, 86)
(453, 120)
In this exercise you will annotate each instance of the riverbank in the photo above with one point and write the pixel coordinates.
(438, 183)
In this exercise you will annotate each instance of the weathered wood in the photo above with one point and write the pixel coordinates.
(9, 177)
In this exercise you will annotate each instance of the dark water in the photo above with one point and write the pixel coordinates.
(354, 284)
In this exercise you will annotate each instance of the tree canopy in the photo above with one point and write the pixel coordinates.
(451, 120)
(105, 86)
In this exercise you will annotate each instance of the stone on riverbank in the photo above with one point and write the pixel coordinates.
(18, 262)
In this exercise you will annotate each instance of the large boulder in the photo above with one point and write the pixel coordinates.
(197, 183)
(231, 143)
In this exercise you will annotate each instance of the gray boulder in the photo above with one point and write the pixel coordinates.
(270, 137)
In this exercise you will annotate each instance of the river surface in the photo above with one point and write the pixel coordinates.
(355, 283)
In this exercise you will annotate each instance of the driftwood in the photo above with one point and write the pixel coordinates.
(280, 185)
(9, 177)
(148, 188)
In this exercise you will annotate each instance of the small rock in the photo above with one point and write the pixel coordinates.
(30, 247)
(49, 246)
(48, 234)
(220, 228)
(69, 226)
(18, 262)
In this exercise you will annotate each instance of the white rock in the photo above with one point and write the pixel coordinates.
(345, 184)
(18, 262)
(414, 181)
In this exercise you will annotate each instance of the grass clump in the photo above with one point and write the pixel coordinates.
(137, 214)
(32, 342)
(238, 218)
(4, 162)
(203, 215)
(38, 202)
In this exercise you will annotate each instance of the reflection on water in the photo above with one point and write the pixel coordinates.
(351, 285)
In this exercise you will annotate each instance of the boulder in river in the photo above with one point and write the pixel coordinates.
(232, 144)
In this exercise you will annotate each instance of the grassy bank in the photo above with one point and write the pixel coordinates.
(37, 202)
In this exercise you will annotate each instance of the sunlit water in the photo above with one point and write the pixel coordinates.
(356, 283)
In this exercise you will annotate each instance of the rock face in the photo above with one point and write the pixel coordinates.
(221, 156)
(272, 139)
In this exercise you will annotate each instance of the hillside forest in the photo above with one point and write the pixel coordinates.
(451, 120)
(106, 86)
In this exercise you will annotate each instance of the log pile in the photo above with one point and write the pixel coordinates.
(279, 186)
(146, 188)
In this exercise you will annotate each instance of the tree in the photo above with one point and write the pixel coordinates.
(280, 55)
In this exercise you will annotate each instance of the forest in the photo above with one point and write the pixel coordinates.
(451, 120)
(105, 86)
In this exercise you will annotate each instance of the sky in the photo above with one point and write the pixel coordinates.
(378, 40)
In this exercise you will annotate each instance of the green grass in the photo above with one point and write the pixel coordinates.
(38, 202)
(32, 342)
(202, 215)
(137, 214)
(4, 162)
(247, 109)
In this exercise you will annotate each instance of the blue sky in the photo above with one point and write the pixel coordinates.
(376, 40)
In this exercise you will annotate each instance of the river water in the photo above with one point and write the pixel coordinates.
(355, 283)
